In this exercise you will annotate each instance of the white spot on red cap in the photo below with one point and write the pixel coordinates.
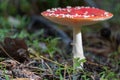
(77, 7)
(69, 7)
(86, 12)
(92, 15)
(86, 16)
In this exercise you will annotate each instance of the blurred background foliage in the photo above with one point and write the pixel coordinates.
(27, 8)
(13, 7)
(16, 15)
(32, 7)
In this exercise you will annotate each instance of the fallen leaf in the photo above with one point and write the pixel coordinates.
(14, 48)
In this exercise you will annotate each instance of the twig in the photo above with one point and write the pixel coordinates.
(65, 71)
(50, 60)
(36, 68)
(33, 52)
(49, 68)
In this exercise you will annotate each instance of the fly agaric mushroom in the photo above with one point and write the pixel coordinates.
(77, 17)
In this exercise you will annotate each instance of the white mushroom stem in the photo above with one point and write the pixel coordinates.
(77, 45)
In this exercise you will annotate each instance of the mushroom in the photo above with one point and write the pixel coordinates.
(76, 17)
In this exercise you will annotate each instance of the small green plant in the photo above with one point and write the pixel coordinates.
(6, 76)
(85, 77)
(51, 44)
(108, 75)
(77, 63)
(64, 71)
(3, 67)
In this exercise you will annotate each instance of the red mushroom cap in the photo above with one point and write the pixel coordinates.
(76, 15)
